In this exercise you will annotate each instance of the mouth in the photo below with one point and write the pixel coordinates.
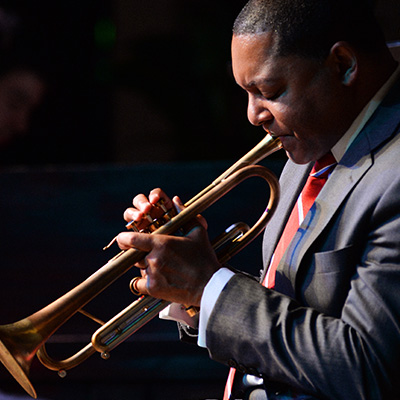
(273, 133)
(286, 138)
(288, 142)
(283, 138)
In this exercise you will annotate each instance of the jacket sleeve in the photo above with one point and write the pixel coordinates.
(350, 354)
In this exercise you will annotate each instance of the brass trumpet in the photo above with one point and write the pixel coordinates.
(22, 340)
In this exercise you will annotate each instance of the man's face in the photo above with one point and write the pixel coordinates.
(295, 98)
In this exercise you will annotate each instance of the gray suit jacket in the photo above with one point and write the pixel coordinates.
(332, 326)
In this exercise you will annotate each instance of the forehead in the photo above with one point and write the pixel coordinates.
(253, 45)
(255, 60)
(252, 55)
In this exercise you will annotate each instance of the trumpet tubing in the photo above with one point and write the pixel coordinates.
(22, 340)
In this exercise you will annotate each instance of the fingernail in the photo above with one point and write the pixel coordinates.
(178, 204)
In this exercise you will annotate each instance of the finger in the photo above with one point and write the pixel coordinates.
(177, 202)
(198, 220)
(143, 266)
(139, 285)
(155, 206)
(197, 231)
(140, 241)
(142, 203)
(132, 214)
(202, 221)
(145, 209)
(141, 207)
(158, 195)
(163, 207)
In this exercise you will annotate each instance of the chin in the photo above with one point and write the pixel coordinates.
(300, 158)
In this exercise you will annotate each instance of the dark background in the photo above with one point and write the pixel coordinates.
(138, 81)
(133, 82)
(140, 94)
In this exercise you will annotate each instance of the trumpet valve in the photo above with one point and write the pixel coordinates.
(192, 310)
(154, 223)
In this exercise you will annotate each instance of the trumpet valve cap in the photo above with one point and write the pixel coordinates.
(62, 373)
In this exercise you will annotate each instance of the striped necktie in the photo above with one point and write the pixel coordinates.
(315, 181)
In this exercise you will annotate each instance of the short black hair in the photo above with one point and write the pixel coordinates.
(310, 27)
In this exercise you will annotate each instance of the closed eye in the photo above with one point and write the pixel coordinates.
(272, 97)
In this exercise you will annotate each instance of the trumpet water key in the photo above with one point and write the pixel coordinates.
(22, 340)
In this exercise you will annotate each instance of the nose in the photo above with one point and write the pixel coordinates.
(257, 112)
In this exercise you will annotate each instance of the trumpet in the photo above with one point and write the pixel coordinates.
(22, 340)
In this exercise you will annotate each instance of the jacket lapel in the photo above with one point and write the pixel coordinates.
(332, 195)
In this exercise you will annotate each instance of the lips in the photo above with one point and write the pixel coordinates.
(284, 137)
(289, 142)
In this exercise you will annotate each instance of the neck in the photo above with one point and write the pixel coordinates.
(375, 70)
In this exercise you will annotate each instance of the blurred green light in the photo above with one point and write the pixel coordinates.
(105, 33)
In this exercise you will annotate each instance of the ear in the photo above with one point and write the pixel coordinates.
(345, 62)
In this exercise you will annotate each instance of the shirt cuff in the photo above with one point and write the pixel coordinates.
(176, 312)
(210, 295)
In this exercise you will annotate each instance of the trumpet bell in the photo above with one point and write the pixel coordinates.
(16, 361)
(22, 340)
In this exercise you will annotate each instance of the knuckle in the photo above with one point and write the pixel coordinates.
(129, 239)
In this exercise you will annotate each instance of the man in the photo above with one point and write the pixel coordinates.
(22, 87)
(21, 93)
(319, 76)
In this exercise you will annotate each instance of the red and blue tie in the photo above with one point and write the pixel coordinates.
(315, 181)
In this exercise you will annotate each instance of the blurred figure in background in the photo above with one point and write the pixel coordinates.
(22, 85)
(21, 92)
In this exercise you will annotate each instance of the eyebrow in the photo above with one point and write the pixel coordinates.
(266, 81)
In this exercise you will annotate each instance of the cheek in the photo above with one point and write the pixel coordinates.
(290, 120)
(310, 115)
(305, 113)
(283, 116)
